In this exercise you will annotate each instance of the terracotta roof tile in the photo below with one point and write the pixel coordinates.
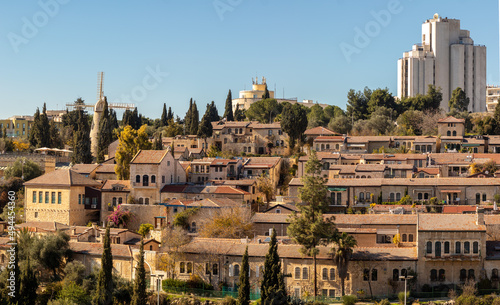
(108, 184)
(84, 168)
(149, 157)
(451, 119)
(62, 177)
(449, 222)
(95, 249)
(320, 130)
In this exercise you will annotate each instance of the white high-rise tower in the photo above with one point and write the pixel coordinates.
(446, 58)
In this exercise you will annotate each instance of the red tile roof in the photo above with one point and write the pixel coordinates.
(320, 130)
(63, 177)
(149, 157)
(451, 119)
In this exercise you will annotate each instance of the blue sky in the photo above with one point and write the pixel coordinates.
(166, 51)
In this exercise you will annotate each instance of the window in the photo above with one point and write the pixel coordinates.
(470, 274)
(442, 276)
(429, 247)
(398, 196)
(478, 198)
(437, 249)
(446, 247)
(59, 197)
(448, 133)
(40, 197)
(374, 275)
(494, 274)
(433, 275)
(325, 274)
(36, 216)
(207, 268)
(120, 200)
(454, 133)
(457, 247)
(404, 237)
(404, 273)
(236, 270)
(391, 197)
(484, 197)
(463, 275)
(332, 274)
(46, 197)
(331, 293)
(162, 179)
(153, 179)
(145, 180)
(141, 200)
(395, 274)
(34, 196)
(475, 247)
(215, 269)
(410, 238)
(305, 273)
(466, 247)
(297, 273)
(114, 201)
(366, 274)
(137, 178)
(189, 267)
(182, 267)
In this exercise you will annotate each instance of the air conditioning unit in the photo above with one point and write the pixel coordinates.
(93, 206)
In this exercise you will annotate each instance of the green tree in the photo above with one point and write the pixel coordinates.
(244, 281)
(103, 294)
(44, 128)
(316, 117)
(272, 289)
(309, 228)
(332, 111)
(170, 115)
(55, 137)
(73, 293)
(158, 143)
(357, 104)
(264, 111)
(195, 120)
(205, 129)
(340, 124)
(213, 113)
(130, 142)
(145, 228)
(51, 251)
(28, 285)
(228, 111)
(380, 98)
(25, 167)
(104, 133)
(496, 118)
(189, 117)
(342, 254)
(239, 114)
(173, 129)
(459, 100)
(140, 295)
(266, 94)
(81, 141)
(164, 116)
(294, 122)
(434, 97)
(34, 134)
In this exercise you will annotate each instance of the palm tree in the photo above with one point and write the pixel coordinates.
(342, 255)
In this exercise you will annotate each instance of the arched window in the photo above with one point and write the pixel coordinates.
(215, 269)
(429, 247)
(324, 273)
(141, 200)
(494, 274)
(332, 274)
(446, 247)
(327, 146)
(470, 275)
(374, 275)
(458, 249)
(463, 275)
(454, 133)
(146, 200)
(361, 196)
(120, 200)
(437, 249)
(410, 238)
(442, 276)
(153, 179)
(448, 133)
(404, 237)
(322, 146)
(193, 227)
(433, 275)
(114, 201)
(189, 267)
(137, 178)
(297, 273)
(395, 274)
(182, 268)
(478, 198)
(366, 274)
(145, 180)
(391, 197)
(475, 247)
(236, 270)
(305, 273)
(466, 247)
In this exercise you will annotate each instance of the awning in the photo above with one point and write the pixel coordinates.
(470, 145)
(451, 191)
(337, 189)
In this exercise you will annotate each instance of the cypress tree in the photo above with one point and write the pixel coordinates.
(140, 296)
(266, 94)
(126, 119)
(81, 141)
(164, 116)
(104, 289)
(228, 111)
(113, 123)
(104, 134)
(158, 143)
(239, 114)
(188, 117)
(34, 133)
(244, 284)
(55, 139)
(28, 285)
(44, 128)
(214, 114)
(170, 115)
(195, 120)
(136, 120)
(205, 129)
(272, 289)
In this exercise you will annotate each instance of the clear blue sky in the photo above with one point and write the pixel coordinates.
(208, 47)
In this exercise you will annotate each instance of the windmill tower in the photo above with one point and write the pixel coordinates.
(98, 112)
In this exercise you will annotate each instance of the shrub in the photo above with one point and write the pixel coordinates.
(383, 302)
(467, 300)
(426, 288)
(164, 299)
(401, 297)
(349, 299)
(228, 300)
(496, 301)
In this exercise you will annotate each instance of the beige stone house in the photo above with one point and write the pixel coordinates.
(255, 167)
(113, 194)
(63, 196)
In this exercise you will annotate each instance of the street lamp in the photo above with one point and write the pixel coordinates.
(406, 277)
(158, 278)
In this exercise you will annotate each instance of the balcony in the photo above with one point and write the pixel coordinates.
(140, 185)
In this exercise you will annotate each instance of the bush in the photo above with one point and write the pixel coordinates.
(349, 299)
(426, 288)
(496, 301)
(383, 302)
(228, 300)
(401, 297)
(467, 300)
(164, 299)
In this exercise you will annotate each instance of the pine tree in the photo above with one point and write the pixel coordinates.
(195, 120)
(239, 115)
(309, 228)
(272, 289)
(164, 116)
(214, 114)
(158, 143)
(244, 284)
(28, 285)
(140, 296)
(81, 141)
(55, 138)
(104, 288)
(228, 111)
(104, 134)
(205, 129)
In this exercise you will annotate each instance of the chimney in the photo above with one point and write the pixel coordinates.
(479, 216)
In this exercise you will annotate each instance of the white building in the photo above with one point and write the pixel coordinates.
(492, 97)
(446, 58)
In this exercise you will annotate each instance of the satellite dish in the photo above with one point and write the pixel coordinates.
(436, 16)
